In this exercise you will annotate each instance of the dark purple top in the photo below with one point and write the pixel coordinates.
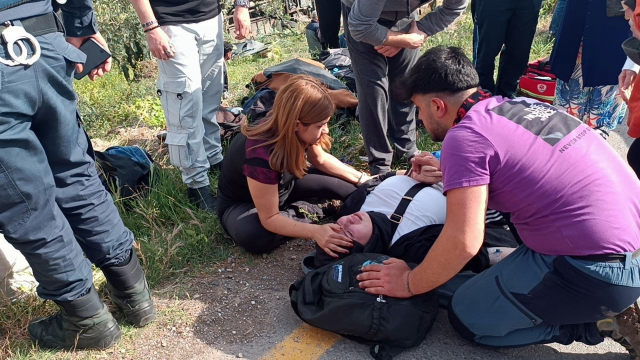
(241, 162)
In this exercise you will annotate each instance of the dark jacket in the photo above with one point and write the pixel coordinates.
(586, 22)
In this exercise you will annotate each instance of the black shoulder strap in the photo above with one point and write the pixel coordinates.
(398, 213)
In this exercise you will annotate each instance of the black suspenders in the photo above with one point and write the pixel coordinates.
(398, 213)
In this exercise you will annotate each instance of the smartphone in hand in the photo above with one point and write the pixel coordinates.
(96, 55)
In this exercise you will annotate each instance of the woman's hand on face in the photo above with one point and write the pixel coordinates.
(330, 238)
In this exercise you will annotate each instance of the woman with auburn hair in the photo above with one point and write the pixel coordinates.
(266, 178)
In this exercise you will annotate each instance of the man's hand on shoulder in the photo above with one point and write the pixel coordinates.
(101, 70)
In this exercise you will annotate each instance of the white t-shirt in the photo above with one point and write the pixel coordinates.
(428, 207)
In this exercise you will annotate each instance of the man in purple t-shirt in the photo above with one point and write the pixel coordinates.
(577, 272)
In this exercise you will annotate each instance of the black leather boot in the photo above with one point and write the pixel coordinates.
(203, 198)
(129, 290)
(84, 323)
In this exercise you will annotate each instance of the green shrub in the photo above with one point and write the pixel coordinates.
(112, 102)
(121, 28)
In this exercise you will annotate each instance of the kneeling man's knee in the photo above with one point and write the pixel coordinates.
(457, 324)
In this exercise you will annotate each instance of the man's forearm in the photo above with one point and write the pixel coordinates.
(442, 17)
(396, 39)
(144, 11)
(445, 259)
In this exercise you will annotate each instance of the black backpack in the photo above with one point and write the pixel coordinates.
(125, 170)
(329, 298)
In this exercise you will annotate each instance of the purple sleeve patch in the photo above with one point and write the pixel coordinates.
(261, 175)
(257, 166)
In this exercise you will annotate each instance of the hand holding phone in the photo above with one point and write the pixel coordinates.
(96, 56)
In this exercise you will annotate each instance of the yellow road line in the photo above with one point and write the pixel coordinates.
(304, 343)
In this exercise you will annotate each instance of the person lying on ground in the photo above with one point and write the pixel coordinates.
(412, 234)
(265, 175)
(575, 278)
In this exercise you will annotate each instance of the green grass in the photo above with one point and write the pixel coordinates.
(112, 102)
(173, 238)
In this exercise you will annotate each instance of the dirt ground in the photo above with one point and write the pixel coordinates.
(224, 308)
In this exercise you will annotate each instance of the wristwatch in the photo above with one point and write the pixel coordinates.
(243, 3)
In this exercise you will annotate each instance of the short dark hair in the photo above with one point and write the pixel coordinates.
(227, 47)
(439, 70)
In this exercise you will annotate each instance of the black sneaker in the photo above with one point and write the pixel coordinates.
(136, 303)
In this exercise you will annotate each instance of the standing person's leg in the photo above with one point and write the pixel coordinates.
(370, 71)
(529, 298)
(180, 86)
(556, 20)
(519, 36)
(633, 156)
(211, 50)
(472, 6)
(492, 19)
(402, 122)
(606, 108)
(30, 217)
(329, 21)
(86, 204)
(571, 96)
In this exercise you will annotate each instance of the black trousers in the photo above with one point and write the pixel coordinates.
(504, 27)
(329, 12)
(633, 156)
(241, 221)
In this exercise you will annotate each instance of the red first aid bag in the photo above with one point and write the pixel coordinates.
(538, 82)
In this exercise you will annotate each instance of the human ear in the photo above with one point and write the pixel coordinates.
(438, 107)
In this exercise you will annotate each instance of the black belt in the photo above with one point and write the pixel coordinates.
(607, 257)
(40, 25)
